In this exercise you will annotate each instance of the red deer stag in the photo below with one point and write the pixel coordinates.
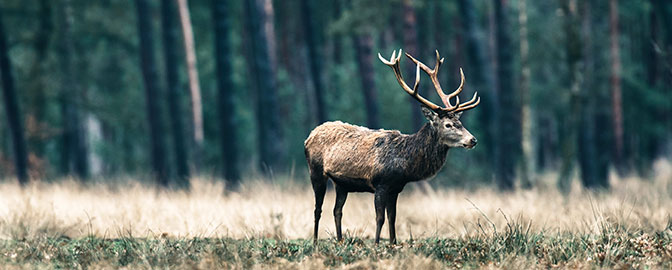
(358, 159)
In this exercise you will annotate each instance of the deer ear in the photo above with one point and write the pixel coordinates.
(458, 114)
(429, 114)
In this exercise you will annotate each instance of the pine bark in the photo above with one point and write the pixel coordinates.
(192, 71)
(364, 57)
(508, 121)
(225, 86)
(152, 92)
(36, 122)
(270, 138)
(571, 123)
(527, 164)
(170, 52)
(74, 136)
(12, 110)
(411, 46)
(615, 81)
(314, 59)
(592, 158)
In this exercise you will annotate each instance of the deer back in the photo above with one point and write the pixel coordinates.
(345, 150)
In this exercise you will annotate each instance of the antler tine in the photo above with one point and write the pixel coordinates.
(439, 61)
(390, 62)
(459, 88)
(475, 100)
(433, 75)
(394, 64)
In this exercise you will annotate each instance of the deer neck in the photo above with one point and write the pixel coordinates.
(429, 154)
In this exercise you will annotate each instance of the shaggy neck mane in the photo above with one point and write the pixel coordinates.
(426, 153)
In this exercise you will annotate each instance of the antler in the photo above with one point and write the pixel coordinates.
(433, 75)
(394, 64)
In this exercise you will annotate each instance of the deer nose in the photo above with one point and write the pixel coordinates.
(473, 141)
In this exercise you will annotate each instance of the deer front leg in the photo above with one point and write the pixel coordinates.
(341, 196)
(379, 201)
(392, 215)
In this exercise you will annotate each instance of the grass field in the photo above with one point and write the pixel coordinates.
(130, 225)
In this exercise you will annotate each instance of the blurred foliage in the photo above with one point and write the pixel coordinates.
(108, 75)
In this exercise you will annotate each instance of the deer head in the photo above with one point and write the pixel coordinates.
(445, 120)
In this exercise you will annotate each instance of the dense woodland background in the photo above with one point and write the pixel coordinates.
(170, 88)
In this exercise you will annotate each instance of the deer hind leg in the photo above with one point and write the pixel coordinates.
(341, 196)
(380, 200)
(319, 181)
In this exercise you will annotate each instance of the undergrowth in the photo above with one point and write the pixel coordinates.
(513, 248)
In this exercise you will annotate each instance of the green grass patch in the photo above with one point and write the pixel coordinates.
(513, 248)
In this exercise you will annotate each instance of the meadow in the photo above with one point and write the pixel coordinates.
(267, 224)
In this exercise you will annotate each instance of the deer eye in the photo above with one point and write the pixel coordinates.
(449, 125)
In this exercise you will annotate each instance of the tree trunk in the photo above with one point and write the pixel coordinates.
(666, 17)
(653, 145)
(225, 86)
(571, 124)
(192, 71)
(269, 30)
(616, 103)
(12, 110)
(271, 143)
(411, 47)
(152, 92)
(593, 162)
(527, 164)
(36, 88)
(170, 52)
(482, 75)
(337, 38)
(364, 54)
(508, 120)
(314, 60)
(74, 136)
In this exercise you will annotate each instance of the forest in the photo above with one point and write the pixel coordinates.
(144, 134)
(230, 89)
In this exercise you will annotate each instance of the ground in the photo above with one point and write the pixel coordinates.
(269, 225)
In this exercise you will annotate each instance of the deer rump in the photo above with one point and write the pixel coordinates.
(357, 158)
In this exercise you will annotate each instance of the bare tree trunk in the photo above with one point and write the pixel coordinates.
(269, 30)
(507, 108)
(483, 78)
(170, 52)
(271, 142)
(364, 54)
(665, 9)
(571, 123)
(194, 84)
(411, 46)
(221, 18)
(337, 38)
(37, 87)
(652, 63)
(527, 163)
(616, 102)
(593, 168)
(12, 109)
(71, 98)
(314, 60)
(152, 92)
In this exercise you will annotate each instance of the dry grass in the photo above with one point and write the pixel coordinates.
(284, 212)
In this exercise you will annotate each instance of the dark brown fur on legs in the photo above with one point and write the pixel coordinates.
(358, 159)
(319, 181)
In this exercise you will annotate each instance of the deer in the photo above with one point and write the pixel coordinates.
(382, 162)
